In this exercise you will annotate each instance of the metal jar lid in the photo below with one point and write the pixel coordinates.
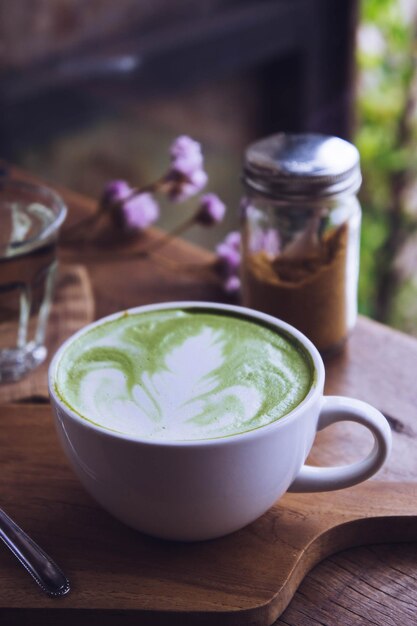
(302, 166)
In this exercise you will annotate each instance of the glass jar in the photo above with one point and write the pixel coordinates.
(300, 234)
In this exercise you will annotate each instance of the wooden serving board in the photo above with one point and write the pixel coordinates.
(121, 576)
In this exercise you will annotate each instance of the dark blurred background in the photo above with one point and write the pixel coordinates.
(97, 90)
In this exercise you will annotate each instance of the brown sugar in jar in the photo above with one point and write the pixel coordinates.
(300, 234)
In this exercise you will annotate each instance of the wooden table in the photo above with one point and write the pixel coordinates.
(367, 585)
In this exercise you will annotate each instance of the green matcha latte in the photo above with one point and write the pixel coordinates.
(183, 374)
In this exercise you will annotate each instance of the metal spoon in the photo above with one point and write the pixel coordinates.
(40, 566)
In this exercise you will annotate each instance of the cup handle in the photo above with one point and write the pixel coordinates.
(340, 409)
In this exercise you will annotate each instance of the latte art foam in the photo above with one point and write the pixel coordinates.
(183, 375)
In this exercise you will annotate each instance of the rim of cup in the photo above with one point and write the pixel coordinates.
(41, 193)
(260, 431)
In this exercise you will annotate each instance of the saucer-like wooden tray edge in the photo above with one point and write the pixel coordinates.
(120, 576)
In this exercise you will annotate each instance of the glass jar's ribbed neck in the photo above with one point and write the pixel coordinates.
(302, 166)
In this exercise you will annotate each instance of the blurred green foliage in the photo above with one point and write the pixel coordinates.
(387, 140)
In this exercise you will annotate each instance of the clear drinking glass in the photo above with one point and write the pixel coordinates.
(30, 218)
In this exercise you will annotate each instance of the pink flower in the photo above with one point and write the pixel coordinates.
(228, 254)
(267, 241)
(232, 284)
(272, 243)
(114, 192)
(228, 262)
(186, 175)
(186, 156)
(131, 211)
(139, 212)
(211, 210)
(233, 240)
(180, 189)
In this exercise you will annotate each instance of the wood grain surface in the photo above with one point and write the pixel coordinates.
(120, 576)
(246, 578)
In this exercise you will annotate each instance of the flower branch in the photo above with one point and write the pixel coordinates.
(132, 210)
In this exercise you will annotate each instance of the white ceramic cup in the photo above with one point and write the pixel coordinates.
(203, 489)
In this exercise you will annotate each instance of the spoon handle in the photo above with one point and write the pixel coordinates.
(39, 565)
